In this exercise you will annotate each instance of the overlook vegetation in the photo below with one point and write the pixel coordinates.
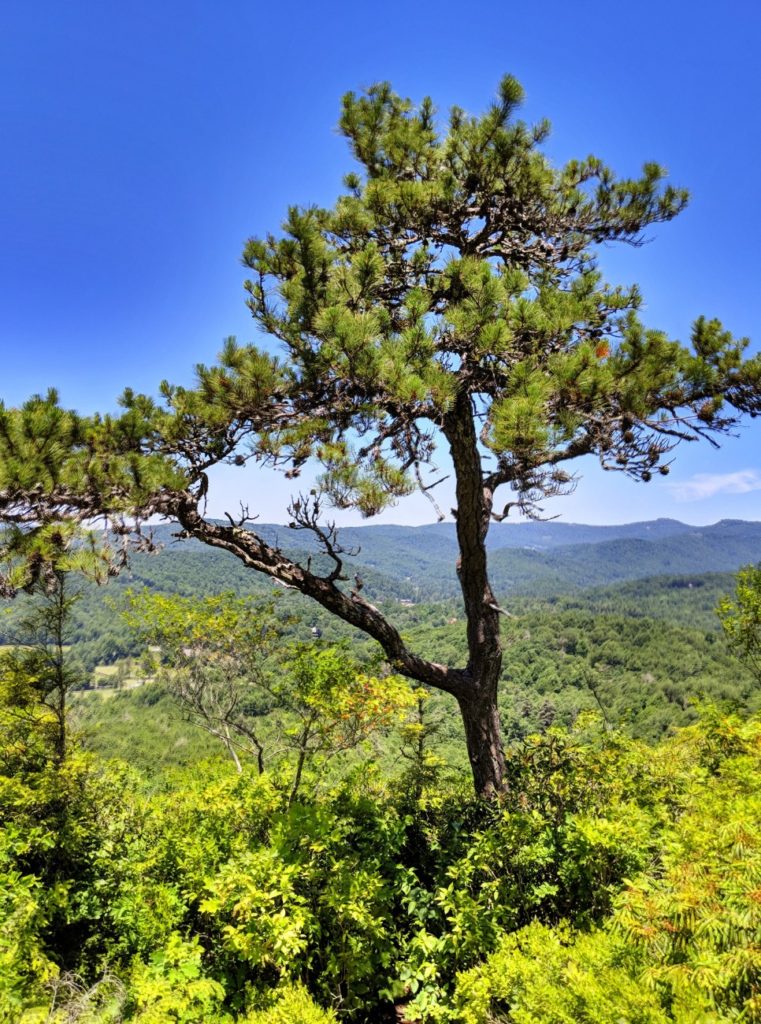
(145, 879)
(470, 774)
(618, 882)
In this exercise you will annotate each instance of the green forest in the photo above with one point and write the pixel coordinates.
(147, 876)
(480, 772)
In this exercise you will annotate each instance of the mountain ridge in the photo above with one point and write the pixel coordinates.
(418, 562)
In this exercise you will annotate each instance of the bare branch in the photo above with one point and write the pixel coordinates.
(305, 512)
(244, 517)
(426, 489)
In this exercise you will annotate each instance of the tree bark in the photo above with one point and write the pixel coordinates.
(478, 701)
(483, 736)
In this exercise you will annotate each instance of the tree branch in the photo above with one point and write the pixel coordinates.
(256, 554)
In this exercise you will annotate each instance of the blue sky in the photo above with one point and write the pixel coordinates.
(143, 142)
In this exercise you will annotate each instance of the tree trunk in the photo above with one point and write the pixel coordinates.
(303, 749)
(483, 736)
(478, 696)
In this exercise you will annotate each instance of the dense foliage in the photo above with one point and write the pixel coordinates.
(615, 882)
(741, 617)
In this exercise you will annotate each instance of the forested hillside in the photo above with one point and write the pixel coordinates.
(640, 652)
(678, 576)
(550, 558)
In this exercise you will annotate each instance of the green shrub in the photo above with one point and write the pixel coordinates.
(549, 975)
(173, 989)
(293, 1005)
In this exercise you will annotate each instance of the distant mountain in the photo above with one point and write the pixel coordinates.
(428, 540)
(723, 547)
(543, 536)
(543, 559)
(664, 570)
(537, 535)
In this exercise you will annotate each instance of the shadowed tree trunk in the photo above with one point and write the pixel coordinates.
(478, 701)
(483, 735)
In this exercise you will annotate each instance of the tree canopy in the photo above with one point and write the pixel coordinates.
(451, 298)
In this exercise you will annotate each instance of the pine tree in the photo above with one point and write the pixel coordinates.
(37, 668)
(452, 298)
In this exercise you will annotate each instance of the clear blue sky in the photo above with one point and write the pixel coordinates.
(144, 141)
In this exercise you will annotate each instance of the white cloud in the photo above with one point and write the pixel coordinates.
(707, 485)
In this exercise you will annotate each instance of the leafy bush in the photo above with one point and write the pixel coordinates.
(549, 974)
(172, 987)
(293, 1005)
(616, 882)
(683, 942)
